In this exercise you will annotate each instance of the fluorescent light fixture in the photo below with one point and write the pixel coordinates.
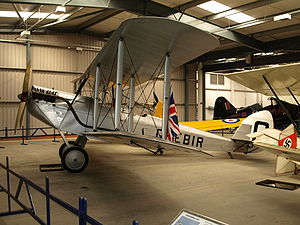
(25, 15)
(213, 6)
(240, 17)
(60, 9)
(216, 7)
(285, 16)
(25, 33)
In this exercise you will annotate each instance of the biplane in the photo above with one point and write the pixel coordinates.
(278, 81)
(139, 51)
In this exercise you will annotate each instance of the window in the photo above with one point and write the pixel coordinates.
(216, 79)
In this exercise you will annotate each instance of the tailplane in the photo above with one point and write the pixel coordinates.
(254, 123)
(223, 109)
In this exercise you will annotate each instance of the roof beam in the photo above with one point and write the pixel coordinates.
(276, 31)
(68, 19)
(148, 7)
(287, 44)
(107, 13)
(189, 4)
(251, 5)
(257, 61)
(269, 18)
(20, 17)
(77, 3)
(34, 9)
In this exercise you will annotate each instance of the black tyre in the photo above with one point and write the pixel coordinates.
(64, 147)
(75, 159)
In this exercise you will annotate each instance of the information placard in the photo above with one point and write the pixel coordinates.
(191, 218)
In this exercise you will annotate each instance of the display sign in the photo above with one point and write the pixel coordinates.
(191, 218)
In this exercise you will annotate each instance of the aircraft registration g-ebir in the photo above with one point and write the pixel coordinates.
(136, 53)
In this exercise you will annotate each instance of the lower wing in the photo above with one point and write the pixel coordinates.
(142, 141)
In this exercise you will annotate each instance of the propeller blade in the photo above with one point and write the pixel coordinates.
(27, 79)
(20, 115)
(24, 95)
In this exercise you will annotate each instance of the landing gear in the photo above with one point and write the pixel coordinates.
(64, 147)
(72, 154)
(74, 159)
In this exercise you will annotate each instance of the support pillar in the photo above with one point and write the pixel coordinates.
(201, 93)
(131, 103)
(186, 93)
(28, 60)
(96, 97)
(166, 97)
(119, 84)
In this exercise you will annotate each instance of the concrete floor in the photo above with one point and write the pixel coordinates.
(124, 183)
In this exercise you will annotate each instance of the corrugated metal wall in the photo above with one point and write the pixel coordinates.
(55, 63)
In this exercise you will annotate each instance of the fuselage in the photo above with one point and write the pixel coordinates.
(78, 120)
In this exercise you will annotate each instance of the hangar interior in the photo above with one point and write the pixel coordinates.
(61, 38)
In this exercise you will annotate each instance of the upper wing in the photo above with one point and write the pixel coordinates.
(208, 125)
(280, 77)
(149, 142)
(147, 40)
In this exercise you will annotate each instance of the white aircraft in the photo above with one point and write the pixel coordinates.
(134, 54)
(279, 80)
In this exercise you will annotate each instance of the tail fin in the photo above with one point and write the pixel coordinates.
(158, 106)
(158, 109)
(288, 137)
(223, 109)
(254, 123)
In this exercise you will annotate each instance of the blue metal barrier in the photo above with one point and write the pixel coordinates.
(81, 212)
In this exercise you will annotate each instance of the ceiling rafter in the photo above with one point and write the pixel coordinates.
(69, 19)
(282, 44)
(20, 17)
(251, 5)
(106, 14)
(189, 5)
(34, 9)
(149, 7)
(256, 61)
(276, 31)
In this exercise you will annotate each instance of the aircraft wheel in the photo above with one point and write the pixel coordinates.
(64, 147)
(75, 159)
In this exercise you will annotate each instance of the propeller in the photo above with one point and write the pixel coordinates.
(24, 95)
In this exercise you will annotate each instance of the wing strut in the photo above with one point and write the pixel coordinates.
(119, 84)
(131, 103)
(292, 94)
(166, 98)
(96, 97)
(282, 106)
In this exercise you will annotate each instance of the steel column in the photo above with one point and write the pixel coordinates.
(186, 93)
(28, 60)
(200, 93)
(131, 103)
(166, 97)
(119, 84)
(96, 97)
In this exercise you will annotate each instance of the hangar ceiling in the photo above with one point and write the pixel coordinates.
(251, 32)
